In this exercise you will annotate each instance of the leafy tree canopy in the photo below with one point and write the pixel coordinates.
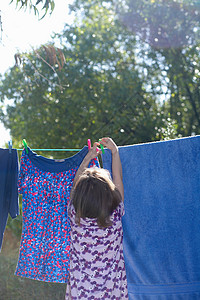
(162, 23)
(37, 6)
(168, 36)
(104, 79)
(98, 91)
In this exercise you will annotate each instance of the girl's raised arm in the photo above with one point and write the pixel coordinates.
(116, 164)
(92, 153)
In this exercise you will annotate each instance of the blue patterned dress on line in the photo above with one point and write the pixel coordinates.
(45, 185)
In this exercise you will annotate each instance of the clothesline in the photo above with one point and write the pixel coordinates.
(52, 149)
(25, 144)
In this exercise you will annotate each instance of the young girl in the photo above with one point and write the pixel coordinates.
(97, 268)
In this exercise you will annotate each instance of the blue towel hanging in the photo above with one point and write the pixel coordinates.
(162, 218)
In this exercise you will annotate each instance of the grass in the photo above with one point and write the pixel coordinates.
(17, 288)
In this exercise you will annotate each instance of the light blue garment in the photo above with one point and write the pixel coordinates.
(162, 218)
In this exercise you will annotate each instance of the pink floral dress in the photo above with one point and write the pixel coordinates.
(97, 269)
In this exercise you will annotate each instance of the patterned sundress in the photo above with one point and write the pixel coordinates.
(45, 185)
(97, 269)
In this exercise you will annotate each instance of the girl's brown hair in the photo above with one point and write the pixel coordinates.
(95, 196)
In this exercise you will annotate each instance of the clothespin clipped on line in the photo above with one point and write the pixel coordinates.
(102, 148)
(10, 146)
(89, 144)
(25, 145)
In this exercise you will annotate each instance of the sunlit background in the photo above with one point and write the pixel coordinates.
(21, 30)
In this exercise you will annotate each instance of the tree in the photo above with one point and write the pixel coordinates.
(162, 24)
(168, 38)
(97, 92)
(184, 85)
(37, 6)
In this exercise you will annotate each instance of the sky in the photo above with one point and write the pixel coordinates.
(21, 31)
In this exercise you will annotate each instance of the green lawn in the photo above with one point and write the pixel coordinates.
(17, 288)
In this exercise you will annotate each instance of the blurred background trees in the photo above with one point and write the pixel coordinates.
(126, 69)
(38, 6)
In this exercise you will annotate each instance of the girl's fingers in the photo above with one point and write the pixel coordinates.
(95, 150)
(104, 141)
(98, 151)
(96, 144)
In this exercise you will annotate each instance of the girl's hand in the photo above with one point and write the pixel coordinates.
(110, 144)
(94, 151)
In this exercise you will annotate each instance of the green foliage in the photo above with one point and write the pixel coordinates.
(169, 130)
(37, 6)
(108, 78)
(97, 92)
(169, 43)
(161, 23)
(184, 80)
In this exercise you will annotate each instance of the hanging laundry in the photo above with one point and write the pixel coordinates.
(8, 188)
(45, 185)
(162, 218)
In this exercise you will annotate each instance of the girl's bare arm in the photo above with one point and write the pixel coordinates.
(116, 164)
(92, 153)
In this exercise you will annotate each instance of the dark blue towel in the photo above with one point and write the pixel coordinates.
(162, 218)
(8, 188)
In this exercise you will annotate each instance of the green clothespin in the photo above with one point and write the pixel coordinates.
(102, 148)
(25, 145)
